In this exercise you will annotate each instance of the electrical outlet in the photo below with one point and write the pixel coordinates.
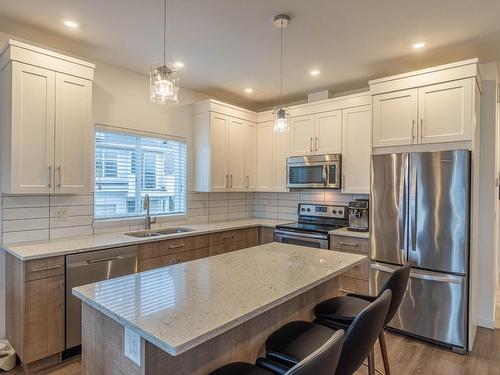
(62, 214)
(132, 346)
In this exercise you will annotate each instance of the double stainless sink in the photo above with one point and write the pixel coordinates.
(158, 232)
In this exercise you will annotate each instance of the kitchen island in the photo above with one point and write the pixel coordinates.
(192, 318)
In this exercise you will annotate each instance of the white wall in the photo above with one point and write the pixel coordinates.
(487, 198)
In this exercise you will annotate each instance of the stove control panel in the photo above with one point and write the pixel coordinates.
(317, 210)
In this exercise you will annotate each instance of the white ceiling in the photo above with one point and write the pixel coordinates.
(228, 45)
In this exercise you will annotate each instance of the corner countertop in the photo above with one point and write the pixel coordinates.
(349, 233)
(43, 249)
(179, 307)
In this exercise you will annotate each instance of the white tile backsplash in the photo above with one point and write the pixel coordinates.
(42, 217)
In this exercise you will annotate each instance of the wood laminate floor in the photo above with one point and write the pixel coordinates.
(407, 356)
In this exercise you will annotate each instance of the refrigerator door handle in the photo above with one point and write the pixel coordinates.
(422, 275)
(413, 209)
(403, 207)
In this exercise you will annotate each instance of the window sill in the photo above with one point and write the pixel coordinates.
(136, 220)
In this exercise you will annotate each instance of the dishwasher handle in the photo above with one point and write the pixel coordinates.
(102, 260)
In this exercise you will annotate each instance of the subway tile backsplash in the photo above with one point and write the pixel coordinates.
(43, 217)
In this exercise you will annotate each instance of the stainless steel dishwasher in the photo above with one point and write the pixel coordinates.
(91, 267)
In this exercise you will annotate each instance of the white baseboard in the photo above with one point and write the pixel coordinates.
(486, 323)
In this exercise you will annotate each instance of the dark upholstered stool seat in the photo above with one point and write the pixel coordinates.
(343, 308)
(295, 341)
(241, 368)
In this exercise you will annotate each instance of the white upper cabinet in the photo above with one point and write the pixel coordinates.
(356, 150)
(265, 160)
(281, 153)
(236, 160)
(73, 135)
(316, 134)
(250, 142)
(302, 135)
(219, 176)
(433, 105)
(225, 148)
(46, 121)
(445, 112)
(394, 118)
(328, 133)
(32, 130)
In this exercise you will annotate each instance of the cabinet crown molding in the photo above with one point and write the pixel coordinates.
(15, 50)
(429, 76)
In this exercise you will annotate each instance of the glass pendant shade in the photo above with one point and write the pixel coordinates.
(164, 83)
(281, 120)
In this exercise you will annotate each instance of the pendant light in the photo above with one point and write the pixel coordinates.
(281, 115)
(164, 81)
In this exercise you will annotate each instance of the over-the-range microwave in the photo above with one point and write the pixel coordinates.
(314, 171)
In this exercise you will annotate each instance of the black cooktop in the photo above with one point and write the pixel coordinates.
(309, 227)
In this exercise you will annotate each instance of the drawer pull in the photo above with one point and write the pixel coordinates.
(228, 238)
(46, 268)
(176, 246)
(349, 244)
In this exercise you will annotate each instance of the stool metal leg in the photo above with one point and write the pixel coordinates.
(383, 350)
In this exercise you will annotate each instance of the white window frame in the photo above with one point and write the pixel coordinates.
(102, 223)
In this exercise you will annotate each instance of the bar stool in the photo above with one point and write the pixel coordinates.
(345, 309)
(296, 340)
(322, 361)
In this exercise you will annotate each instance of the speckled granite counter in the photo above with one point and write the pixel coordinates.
(349, 233)
(180, 307)
(43, 249)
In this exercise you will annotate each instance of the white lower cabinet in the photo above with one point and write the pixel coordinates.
(356, 150)
(45, 122)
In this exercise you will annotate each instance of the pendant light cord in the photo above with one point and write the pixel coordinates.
(164, 30)
(281, 63)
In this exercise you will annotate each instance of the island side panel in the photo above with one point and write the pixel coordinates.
(102, 346)
(242, 343)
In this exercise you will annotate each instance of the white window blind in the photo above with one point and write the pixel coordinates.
(128, 166)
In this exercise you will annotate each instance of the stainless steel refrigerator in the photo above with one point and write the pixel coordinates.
(420, 214)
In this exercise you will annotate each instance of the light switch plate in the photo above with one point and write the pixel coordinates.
(132, 346)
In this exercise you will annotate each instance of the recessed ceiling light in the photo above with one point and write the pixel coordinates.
(314, 72)
(71, 24)
(179, 64)
(419, 45)
(248, 90)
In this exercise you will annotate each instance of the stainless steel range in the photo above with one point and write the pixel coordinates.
(315, 221)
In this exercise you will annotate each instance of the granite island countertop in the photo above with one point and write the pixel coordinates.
(179, 307)
(43, 249)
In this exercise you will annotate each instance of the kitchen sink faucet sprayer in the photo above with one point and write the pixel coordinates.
(148, 220)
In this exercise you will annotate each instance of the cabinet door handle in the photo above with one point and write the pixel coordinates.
(59, 177)
(413, 129)
(227, 181)
(316, 143)
(310, 144)
(176, 246)
(348, 244)
(231, 181)
(50, 177)
(248, 182)
(228, 238)
(421, 129)
(48, 268)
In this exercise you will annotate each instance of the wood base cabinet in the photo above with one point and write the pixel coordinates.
(355, 280)
(35, 307)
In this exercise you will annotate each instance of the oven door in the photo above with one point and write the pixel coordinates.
(333, 170)
(317, 241)
(311, 175)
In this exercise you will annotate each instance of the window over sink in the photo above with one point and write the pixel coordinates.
(128, 166)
